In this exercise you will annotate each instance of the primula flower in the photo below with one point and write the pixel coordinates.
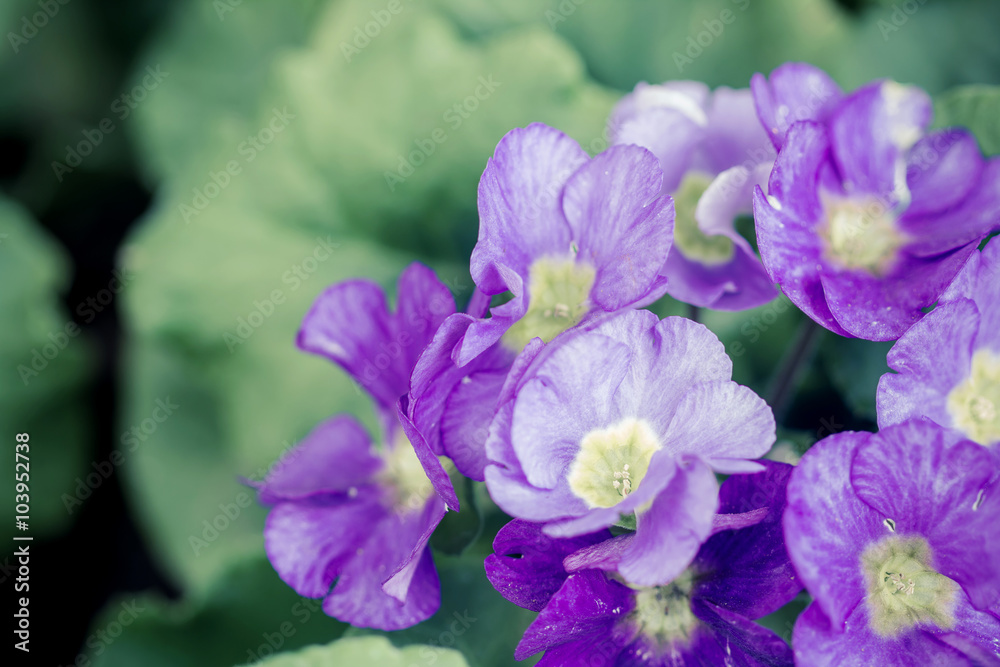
(570, 238)
(948, 364)
(633, 416)
(895, 535)
(867, 219)
(713, 151)
(703, 617)
(344, 509)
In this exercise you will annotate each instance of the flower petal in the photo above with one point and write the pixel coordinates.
(827, 526)
(680, 353)
(567, 398)
(740, 641)
(436, 376)
(735, 135)
(349, 323)
(346, 324)
(526, 564)
(586, 606)
(941, 170)
(398, 584)
(972, 220)
(795, 92)
(466, 419)
(310, 542)
(751, 573)
(428, 460)
(884, 307)
(519, 202)
(820, 643)
(358, 597)
(918, 476)
(623, 226)
(670, 134)
(871, 132)
(670, 532)
(927, 371)
(746, 431)
(336, 456)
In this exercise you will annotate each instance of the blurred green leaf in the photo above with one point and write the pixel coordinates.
(974, 107)
(459, 530)
(855, 366)
(249, 614)
(45, 357)
(427, 110)
(217, 56)
(365, 651)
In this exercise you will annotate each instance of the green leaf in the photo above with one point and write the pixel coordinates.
(217, 57)
(459, 530)
(367, 651)
(974, 107)
(855, 367)
(45, 357)
(247, 615)
(403, 86)
(426, 111)
(473, 619)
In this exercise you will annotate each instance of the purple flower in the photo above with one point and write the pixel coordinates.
(570, 239)
(867, 218)
(344, 509)
(703, 617)
(895, 535)
(713, 151)
(633, 416)
(794, 92)
(948, 364)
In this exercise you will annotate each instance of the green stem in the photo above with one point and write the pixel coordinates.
(786, 378)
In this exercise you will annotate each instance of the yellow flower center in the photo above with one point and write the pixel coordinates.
(663, 613)
(558, 298)
(903, 588)
(974, 404)
(611, 462)
(860, 234)
(405, 475)
(688, 237)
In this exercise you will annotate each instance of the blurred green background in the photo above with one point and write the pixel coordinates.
(168, 167)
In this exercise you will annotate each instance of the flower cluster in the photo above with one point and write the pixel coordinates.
(603, 430)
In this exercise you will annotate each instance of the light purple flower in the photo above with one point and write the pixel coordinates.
(713, 151)
(948, 364)
(703, 617)
(867, 218)
(633, 416)
(895, 535)
(343, 509)
(570, 239)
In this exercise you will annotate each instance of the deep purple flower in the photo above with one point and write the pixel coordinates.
(713, 151)
(344, 509)
(570, 239)
(633, 416)
(895, 535)
(793, 92)
(703, 617)
(948, 364)
(867, 219)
